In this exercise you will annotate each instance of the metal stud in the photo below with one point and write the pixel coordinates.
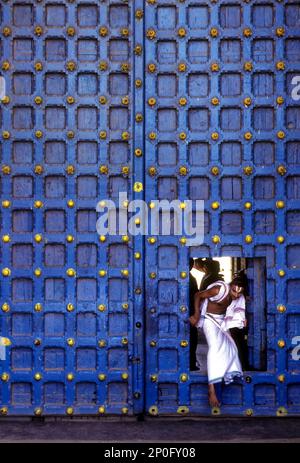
(5, 307)
(184, 377)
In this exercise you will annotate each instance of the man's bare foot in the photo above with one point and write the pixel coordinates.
(213, 400)
(193, 320)
(212, 397)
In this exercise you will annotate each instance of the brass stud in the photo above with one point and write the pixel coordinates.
(6, 134)
(151, 101)
(153, 343)
(138, 187)
(125, 67)
(124, 410)
(248, 136)
(137, 255)
(281, 343)
(101, 307)
(70, 203)
(37, 376)
(38, 134)
(152, 171)
(182, 136)
(183, 309)
(102, 135)
(71, 272)
(281, 308)
(138, 49)
(248, 66)
(138, 83)
(6, 204)
(248, 170)
(102, 238)
(103, 66)
(5, 65)
(70, 307)
(247, 101)
(214, 32)
(184, 377)
(138, 152)
(182, 67)
(101, 410)
(183, 170)
(38, 66)
(102, 99)
(216, 239)
(71, 342)
(215, 170)
(215, 136)
(181, 32)
(38, 169)
(153, 378)
(183, 275)
(71, 31)
(70, 169)
(125, 238)
(280, 66)
(215, 101)
(6, 31)
(70, 100)
(101, 343)
(124, 341)
(6, 272)
(281, 273)
(6, 170)
(247, 32)
(70, 134)
(70, 411)
(71, 66)
(152, 275)
(248, 239)
(248, 205)
(125, 136)
(184, 343)
(38, 100)
(280, 204)
(125, 100)
(281, 411)
(5, 377)
(215, 205)
(125, 273)
(37, 342)
(281, 378)
(103, 170)
(152, 135)
(280, 239)
(70, 376)
(139, 14)
(5, 100)
(249, 412)
(3, 411)
(38, 238)
(102, 377)
(125, 305)
(215, 411)
(153, 410)
(182, 101)
(124, 32)
(102, 273)
(38, 307)
(280, 134)
(281, 170)
(139, 117)
(280, 100)
(214, 67)
(183, 410)
(151, 67)
(280, 31)
(152, 240)
(151, 34)
(38, 31)
(103, 31)
(37, 272)
(5, 307)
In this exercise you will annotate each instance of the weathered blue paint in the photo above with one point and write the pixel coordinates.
(155, 320)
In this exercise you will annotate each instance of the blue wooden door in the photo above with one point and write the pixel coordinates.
(162, 100)
(67, 294)
(222, 125)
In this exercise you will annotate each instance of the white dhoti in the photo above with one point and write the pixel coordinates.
(222, 359)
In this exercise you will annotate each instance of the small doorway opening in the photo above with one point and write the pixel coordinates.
(251, 341)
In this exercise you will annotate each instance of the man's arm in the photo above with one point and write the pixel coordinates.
(200, 296)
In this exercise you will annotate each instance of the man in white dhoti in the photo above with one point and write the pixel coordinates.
(222, 306)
